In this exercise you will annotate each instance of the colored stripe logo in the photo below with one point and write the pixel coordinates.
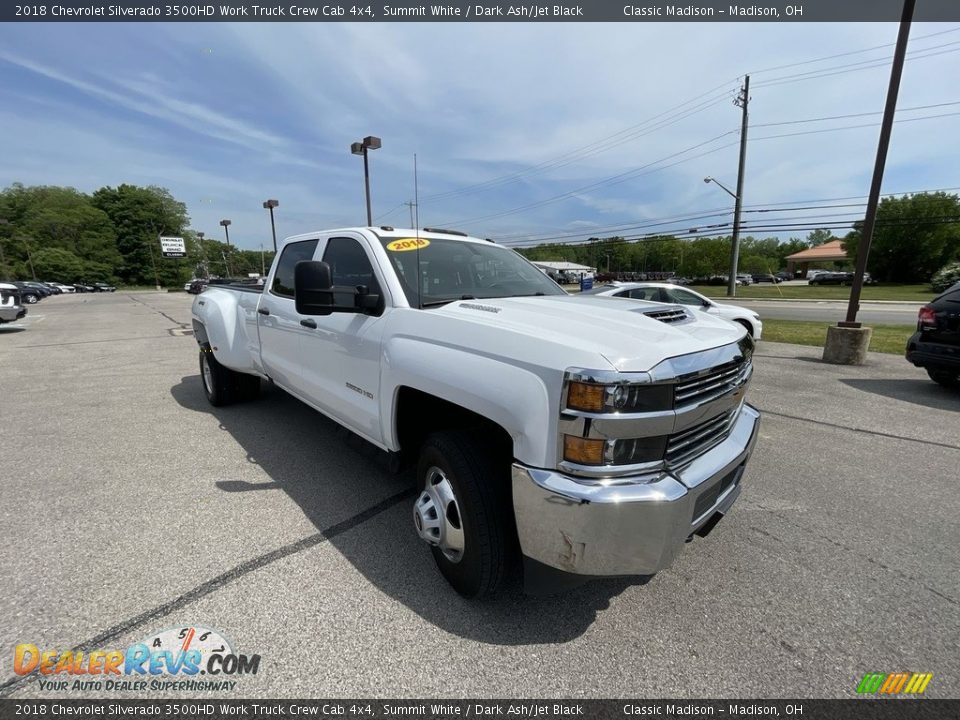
(902, 683)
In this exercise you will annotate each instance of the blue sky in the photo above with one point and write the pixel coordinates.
(227, 115)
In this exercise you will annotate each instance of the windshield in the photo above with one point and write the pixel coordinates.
(457, 270)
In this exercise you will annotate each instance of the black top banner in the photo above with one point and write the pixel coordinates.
(640, 11)
(497, 709)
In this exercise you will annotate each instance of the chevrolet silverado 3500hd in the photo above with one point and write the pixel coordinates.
(583, 435)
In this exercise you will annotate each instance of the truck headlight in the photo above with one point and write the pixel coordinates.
(600, 451)
(619, 398)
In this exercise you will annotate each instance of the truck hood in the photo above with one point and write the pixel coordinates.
(615, 328)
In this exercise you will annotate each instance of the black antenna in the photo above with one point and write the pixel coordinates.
(416, 221)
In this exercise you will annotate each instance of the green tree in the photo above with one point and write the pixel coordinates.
(818, 237)
(60, 265)
(46, 218)
(914, 236)
(140, 216)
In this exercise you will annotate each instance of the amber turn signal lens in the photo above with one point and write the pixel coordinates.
(585, 396)
(585, 451)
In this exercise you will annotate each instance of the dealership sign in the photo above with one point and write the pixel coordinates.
(173, 247)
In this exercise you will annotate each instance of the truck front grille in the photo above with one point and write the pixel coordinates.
(711, 384)
(685, 446)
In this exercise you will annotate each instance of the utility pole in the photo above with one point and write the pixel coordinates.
(153, 261)
(742, 101)
(263, 267)
(3, 259)
(29, 257)
(410, 204)
(886, 126)
(203, 254)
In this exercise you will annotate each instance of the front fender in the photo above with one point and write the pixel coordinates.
(515, 398)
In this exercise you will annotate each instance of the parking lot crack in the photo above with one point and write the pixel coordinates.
(220, 581)
(846, 548)
(876, 433)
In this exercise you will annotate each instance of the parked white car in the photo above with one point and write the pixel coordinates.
(676, 295)
(65, 288)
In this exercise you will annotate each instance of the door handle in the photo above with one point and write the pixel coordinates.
(263, 311)
(309, 323)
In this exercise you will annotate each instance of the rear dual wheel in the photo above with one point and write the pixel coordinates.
(224, 386)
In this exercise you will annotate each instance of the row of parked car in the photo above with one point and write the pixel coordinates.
(33, 291)
(825, 277)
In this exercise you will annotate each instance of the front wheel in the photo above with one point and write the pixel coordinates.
(946, 378)
(30, 299)
(463, 511)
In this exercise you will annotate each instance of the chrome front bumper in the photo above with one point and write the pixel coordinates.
(628, 526)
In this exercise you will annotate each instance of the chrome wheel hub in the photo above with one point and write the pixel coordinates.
(436, 515)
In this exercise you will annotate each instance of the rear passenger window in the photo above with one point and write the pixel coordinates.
(292, 254)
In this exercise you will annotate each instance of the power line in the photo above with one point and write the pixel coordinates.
(593, 148)
(612, 180)
(757, 208)
(851, 52)
(853, 115)
(852, 67)
(855, 127)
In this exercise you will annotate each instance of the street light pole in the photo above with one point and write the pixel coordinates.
(735, 244)
(226, 229)
(263, 267)
(370, 142)
(270, 205)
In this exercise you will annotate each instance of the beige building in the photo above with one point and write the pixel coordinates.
(830, 251)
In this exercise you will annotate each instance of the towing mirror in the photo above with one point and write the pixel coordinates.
(314, 293)
(312, 288)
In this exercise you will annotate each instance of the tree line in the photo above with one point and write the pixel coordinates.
(111, 235)
(914, 237)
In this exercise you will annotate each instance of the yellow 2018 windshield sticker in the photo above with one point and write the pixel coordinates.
(405, 244)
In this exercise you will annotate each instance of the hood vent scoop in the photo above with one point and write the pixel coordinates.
(669, 315)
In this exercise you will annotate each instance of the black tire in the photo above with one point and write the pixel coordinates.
(481, 485)
(224, 386)
(31, 299)
(218, 385)
(248, 386)
(947, 378)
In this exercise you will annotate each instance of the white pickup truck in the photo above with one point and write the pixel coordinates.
(583, 435)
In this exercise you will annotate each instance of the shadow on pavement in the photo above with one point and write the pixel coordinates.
(10, 330)
(912, 390)
(303, 454)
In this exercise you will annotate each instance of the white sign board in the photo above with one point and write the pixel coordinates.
(173, 247)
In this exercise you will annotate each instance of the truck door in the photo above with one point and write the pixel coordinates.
(341, 356)
(279, 322)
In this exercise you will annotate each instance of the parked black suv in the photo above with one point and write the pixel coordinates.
(935, 346)
(766, 277)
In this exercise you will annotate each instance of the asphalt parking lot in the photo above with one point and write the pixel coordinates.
(131, 506)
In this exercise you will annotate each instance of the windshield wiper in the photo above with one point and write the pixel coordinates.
(438, 303)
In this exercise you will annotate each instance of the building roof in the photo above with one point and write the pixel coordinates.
(559, 265)
(830, 250)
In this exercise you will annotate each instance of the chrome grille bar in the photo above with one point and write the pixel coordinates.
(713, 384)
(684, 447)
